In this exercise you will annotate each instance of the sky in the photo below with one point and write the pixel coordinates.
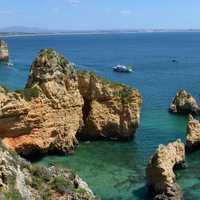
(101, 14)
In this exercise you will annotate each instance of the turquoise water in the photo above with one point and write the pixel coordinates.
(116, 170)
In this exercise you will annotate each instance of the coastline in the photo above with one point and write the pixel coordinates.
(10, 34)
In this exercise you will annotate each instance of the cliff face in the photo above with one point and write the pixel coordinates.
(193, 134)
(59, 102)
(48, 113)
(184, 103)
(23, 181)
(111, 110)
(160, 176)
(4, 55)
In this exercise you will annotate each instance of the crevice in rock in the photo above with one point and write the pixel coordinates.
(86, 111)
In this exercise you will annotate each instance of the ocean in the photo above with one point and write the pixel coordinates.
(116, 170)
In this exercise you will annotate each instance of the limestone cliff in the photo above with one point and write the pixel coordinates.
(58, 103)
(47, 114)
(19, 180)
(160, 176)
(4, 55)
(184, 103)
(111, 110)
(193, 134)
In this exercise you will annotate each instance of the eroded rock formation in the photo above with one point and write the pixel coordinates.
(21, 180)
(193, 134)
(4, 55)
(160, 175)
(111, 110)
(59, 102)
(184, 103)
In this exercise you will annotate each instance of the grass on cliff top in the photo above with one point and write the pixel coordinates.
(51, 53)
(12, 193)
(43, 181)
(121, 90)
(104, 81)
(29, 93)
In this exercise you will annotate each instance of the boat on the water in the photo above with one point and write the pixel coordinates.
(122, 68)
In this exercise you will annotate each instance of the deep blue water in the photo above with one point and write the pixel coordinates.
(116, 171)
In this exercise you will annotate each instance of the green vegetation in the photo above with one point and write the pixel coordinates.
(81, 191)
(29, 93)
(123, 93)
(119, 90)
(6, 88)
(12, 193)
(50, 53)
(103, 80)
(61, 185)
(44, 182)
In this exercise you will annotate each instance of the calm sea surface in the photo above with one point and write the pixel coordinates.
(116, 171)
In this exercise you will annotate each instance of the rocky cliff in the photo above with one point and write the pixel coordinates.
(59, 104)
(4, 55)
(111, 110)
(19, 180)
(160, 176)
(193, 134)
(184, 103)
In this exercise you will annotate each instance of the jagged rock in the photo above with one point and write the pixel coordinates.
(4, 55)
(21, 180)
(160, 176)
(47, 114)
(193, 134)
(59, 102)
(184, 103)
(111, 110)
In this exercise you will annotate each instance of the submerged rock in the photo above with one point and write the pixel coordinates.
(160, 176)
(184, 103)
(21, 180)
(59, 102)
(193, 134)
(4, 55)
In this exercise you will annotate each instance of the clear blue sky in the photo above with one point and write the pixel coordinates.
(100, 14)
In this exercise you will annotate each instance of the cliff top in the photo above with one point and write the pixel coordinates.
(21, 180)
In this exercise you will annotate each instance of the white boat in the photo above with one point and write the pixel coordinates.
(10, 64)
(122, 68)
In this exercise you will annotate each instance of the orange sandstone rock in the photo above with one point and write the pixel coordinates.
(60, 104)
(160, 175)
(193, 133)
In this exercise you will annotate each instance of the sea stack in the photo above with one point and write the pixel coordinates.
(184, 103)
(4, 54)
(60, 105)
(193, 134)
(161, 179)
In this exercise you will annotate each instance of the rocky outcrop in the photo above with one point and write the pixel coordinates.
(184, 103)
(193, 134)
(160, 176)
(47, 114)
(58, 103)
(111, 110)
(4, 55)
(21, 180)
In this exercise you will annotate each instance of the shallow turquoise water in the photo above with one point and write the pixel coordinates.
(116, 170)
